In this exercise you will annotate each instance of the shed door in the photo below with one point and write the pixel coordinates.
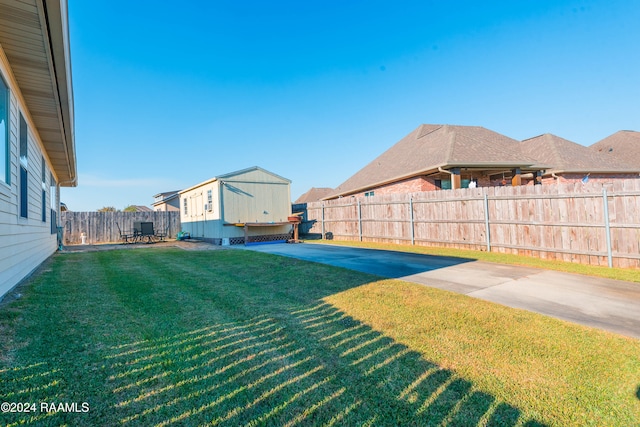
(199, 211)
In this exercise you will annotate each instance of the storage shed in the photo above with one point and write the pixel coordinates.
(250, 205)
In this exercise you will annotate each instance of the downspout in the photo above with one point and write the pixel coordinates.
(444, 170)
(556, 177)
(450, 174)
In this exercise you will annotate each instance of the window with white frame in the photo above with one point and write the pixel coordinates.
(184, 204)
(5, 176)
(24, 164)
(44, 191)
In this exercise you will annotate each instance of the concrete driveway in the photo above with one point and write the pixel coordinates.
(612, 305)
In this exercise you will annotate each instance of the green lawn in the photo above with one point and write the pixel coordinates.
(230, 337)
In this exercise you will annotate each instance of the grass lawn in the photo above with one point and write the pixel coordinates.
(169, 337)
(627, 274)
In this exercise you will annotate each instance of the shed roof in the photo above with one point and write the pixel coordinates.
(622, 146)
(567, 156)
(35, 40)
(429, 147)
(227, 176)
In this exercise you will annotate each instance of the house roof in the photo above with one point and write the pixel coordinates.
(227, 176)
(35, 40)
(166, 197)
(314, 194)
(430, 147)
(166, 194)
(567, 156)
(622, 146)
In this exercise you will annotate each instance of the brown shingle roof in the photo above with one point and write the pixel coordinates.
(622, 146)
(431, 146)
(314, 194)
(566, 156)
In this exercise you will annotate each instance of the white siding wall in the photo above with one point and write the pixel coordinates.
(198, 221)
(255, 196)
(24, 242)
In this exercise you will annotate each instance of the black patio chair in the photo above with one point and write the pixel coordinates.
(124, 236)
(146, 230)
(161, 235)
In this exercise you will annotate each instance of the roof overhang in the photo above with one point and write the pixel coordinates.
(582, 171)
(484, 166)
(34, 35)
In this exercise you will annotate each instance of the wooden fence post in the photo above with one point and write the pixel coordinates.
(323, 235)
(413, 232)
(607, 226)
(359, 220)
(486, 222)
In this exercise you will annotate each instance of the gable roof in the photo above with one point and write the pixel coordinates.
(429, 147)
(166, 194)
(226, 177)
(622, 146)
(314, 194)
(35, 40)
(567, 156)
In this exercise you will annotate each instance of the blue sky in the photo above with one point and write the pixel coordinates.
(170, 94)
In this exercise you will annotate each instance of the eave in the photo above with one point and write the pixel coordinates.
(35, 40)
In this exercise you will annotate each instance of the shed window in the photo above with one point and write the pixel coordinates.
(24, 177)
(5, 176)
(184, 204)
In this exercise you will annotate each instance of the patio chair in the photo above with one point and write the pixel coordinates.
(124, 236)
(162, 234)
(146, 230)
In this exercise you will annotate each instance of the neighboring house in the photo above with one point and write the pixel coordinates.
(169, 201)
(571, 162)
(622, 146)
(251, 203)
(434, 157)
(139, 208)
(313, 195)
(37, 149)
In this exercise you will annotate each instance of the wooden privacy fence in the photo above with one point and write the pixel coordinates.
(100, 227)
(585, 223)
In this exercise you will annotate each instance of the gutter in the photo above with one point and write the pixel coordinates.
(444, 170)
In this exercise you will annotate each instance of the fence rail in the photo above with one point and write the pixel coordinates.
(102, 227)
(590, 224)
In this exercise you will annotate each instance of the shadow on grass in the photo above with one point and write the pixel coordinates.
(310, 366)
(381, 262)
(260, 372)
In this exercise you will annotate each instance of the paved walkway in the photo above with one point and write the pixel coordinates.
(608, 304)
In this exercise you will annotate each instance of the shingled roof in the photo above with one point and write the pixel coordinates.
(622, 146)
(314, 194)
(429, 147)
(567, 156)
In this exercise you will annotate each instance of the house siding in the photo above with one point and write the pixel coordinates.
(24, 242)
